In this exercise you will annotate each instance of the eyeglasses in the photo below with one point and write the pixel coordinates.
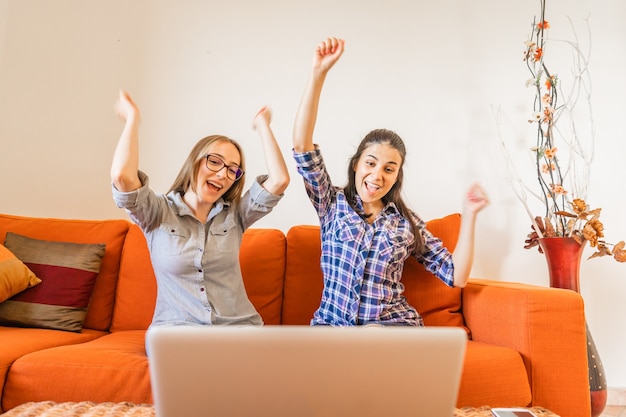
(215, 164)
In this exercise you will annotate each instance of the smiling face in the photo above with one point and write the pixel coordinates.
(375, 173)
(211, 185)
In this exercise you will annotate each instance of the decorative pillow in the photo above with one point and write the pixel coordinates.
(15, 277)
(438, 304)
(68, 272)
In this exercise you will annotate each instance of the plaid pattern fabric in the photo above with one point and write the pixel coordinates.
(362, 263)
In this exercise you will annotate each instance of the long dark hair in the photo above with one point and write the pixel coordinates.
(383, 136)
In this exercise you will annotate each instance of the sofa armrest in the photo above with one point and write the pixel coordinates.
(547, 327)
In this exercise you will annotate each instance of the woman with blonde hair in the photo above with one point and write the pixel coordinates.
(194, 231)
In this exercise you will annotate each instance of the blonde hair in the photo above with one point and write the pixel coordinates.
(188, 175)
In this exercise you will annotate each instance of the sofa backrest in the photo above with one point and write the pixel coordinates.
(438, 304)
(110, 232)
(135, 295)
(262, 260)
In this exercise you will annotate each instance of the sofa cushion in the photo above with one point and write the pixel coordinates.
(15, 277)
(493, 375)
(109, 232)
(135, 295)
(17, 342)
(438, 304)
(262, 260)
(303, 276)
(68, 271)
(110, 368)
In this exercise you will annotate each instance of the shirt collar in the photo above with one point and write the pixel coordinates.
(389, 209)
(182, 209)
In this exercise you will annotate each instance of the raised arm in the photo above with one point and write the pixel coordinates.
(125, 166)
(278, 175)
(463, 256)
(326, 54)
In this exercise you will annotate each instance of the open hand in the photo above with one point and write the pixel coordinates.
(475, 198)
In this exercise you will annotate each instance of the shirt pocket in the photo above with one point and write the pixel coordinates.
(392, 248)
(225, 237)
(169, 240)
(346, 232)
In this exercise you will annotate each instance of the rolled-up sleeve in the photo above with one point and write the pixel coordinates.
(142, 205)
(317, 181)
(257, 202)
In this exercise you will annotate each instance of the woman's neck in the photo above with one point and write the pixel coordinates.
(199, 209)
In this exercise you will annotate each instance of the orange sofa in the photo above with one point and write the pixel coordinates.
(526, 343)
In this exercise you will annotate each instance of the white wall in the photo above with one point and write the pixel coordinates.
(432, 71)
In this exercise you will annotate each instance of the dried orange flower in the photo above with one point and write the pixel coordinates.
(545, 168)
(579, 206)
(550, 82)
(547, 114)
(557, 189)
(592, 231)
(543, 25)
(549, 153)
(618, 252)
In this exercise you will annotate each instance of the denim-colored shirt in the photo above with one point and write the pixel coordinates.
(362, 263)
(196, 264)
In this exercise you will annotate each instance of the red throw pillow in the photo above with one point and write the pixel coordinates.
(68, 272)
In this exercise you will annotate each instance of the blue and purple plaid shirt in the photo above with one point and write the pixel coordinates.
(362, 263)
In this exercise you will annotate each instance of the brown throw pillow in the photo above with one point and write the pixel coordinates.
(68, 272)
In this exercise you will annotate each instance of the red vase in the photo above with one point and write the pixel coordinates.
(563, 255)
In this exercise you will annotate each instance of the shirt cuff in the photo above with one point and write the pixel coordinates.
(260, 195)
(309, 160)
(127, 199)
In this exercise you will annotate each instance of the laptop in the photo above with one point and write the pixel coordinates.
(302, 371)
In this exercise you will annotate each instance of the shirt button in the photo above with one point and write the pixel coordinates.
(199, 270)
(202, 289)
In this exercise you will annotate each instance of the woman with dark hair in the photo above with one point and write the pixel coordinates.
(367, 230)
(194, 231)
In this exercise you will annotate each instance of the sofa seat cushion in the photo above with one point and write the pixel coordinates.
(110, 232)
(493, 375)
(111, 368)
(17, 342)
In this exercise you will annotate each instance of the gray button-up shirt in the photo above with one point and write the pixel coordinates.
(196, 265)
